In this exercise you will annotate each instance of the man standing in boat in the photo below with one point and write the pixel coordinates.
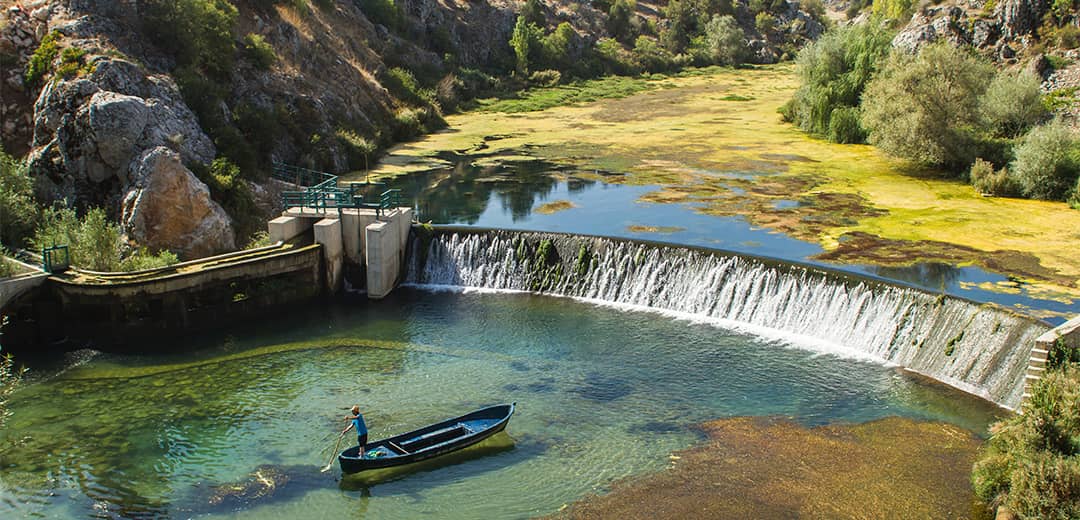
(357, 421)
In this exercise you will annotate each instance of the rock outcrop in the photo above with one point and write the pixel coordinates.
(166, 207)
(1013, 26)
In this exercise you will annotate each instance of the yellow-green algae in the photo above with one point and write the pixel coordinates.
(731, 157)
(555, 207)
(774, 468)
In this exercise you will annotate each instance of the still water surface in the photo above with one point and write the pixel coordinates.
(602, 394)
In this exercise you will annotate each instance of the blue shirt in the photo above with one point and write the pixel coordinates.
(358, 422)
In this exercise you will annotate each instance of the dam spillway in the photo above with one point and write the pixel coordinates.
(979, 348)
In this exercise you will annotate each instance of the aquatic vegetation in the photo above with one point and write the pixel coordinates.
(682, 135)
(774, 468)
(554, 207)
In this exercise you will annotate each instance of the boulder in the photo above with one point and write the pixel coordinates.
(166, 207)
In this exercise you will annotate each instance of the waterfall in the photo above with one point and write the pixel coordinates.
(981, 349)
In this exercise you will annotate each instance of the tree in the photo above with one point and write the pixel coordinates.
(1012, 104)
(555, 47)
(725, 40)
(525, 41)
(18, 210)
(1046, 164)
(834, 71)
(533, 13)
(620, 20)
(925, 108)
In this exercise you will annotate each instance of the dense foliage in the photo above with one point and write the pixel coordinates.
(1031, 465)
(926, 107)
(834, 72)
(93, 241)
(1046, 164)
(18, 210)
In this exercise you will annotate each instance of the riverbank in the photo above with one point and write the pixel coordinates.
(714, 141)
(774, 468)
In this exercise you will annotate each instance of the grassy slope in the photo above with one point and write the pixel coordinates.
(688, 134)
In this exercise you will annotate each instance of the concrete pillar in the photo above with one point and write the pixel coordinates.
(383, 260)
(403, 219)
(328, 234)
(287, 228)
(353, 223)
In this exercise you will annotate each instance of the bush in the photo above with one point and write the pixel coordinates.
(1046, 164)
(93, 241)
(555, 47)
(198, 33)
(651, 55)
(615, 59)
(925, 108)
(18, 210)
(1031, 463)
(545, 78)
(725, 41)
(383, 12)
(764, 22)
(533, 13)
(990, 182)
(896, 10)
(408, 124)
(620, 20)
(259, 51)
(143, 259)
(1012, 104)
(41, 62)
(834, 71)
(358, 149)
(844, 126)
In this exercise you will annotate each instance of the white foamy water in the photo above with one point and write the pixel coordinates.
(981, 349)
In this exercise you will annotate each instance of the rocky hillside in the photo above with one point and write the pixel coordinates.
(126, 104)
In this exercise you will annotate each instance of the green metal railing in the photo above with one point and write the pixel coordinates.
(55, 259)
(321, 191)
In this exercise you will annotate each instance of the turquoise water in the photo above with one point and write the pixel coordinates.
(602, 394)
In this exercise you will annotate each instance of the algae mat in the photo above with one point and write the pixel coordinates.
(714, 140)
(774, 468)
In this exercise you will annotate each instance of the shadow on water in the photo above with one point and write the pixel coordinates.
(495, 445)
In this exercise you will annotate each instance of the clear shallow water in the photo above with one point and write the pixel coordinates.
(602, 394)
(507, 196)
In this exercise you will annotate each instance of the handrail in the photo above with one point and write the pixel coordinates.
(55, 259)
(320, 191)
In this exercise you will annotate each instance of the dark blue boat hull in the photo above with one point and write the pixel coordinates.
(430, 441)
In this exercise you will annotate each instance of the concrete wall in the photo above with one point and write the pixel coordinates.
(11, 288)
(1069, 333)
(285, 228)
(382, 258)
(328, 235)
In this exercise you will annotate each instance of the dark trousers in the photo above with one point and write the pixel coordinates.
(362, 441)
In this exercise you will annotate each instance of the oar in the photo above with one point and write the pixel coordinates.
(330, 463)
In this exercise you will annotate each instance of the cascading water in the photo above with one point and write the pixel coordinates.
(982, 349)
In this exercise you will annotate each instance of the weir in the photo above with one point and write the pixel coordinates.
(982, 349)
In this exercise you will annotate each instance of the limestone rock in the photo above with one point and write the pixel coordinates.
(1020, 17)
(167, 207)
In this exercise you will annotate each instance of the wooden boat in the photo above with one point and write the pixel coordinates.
(429, 441)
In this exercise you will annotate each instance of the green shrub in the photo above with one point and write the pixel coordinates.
(725, 41)
(18, 209)
(41, 62)
(402, 83)
(258, 239)
(764, 22)
(897, 10)
(834, 72)
(844, 126)
(680, 18)
(357, 148)
(7, 269)
(383, 12)
(198, 33)
(816, 10)
(615, 59)
(533, 13)
(1031, 463)
(651, 55)
(93, 242)
(408, 124)
(72, 63)
(1012, 104)
(925, 108)
(620, 20)
(986, 180)
(555, 47)
(259, 51)
(142, 259)
(1046, 164)
(545, 78)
